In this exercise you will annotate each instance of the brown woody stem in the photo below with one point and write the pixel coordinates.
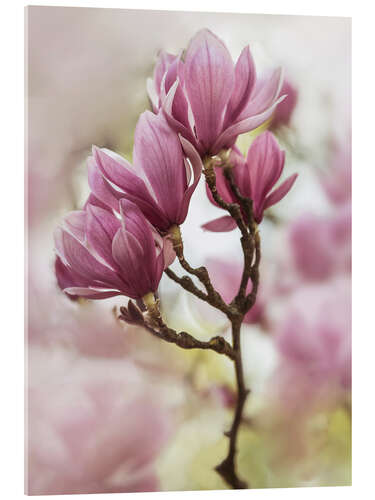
(242, 213)
(157, 327)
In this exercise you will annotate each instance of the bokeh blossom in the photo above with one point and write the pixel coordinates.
(314, 340)
(209, 99)
(284, 110)
(85, 435)
(321, 246)
(165, 174)
(255, 176)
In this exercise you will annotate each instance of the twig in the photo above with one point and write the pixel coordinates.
(155, 324)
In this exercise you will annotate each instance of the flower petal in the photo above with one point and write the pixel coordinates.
(167, 108)
(118, 171)
(180, 105)
(164, 61)
(245, 76)
(197, 166)
(128, 253)
(75, 223)
(86, 266)
(280, 192)
(209, 81)
(65, 277)
(101, 228)
(158, 152)
(265, 93)
(220, 225)
(265, 162)
(229, 136)
(101, 188)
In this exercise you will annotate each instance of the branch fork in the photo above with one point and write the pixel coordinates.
(152, 321)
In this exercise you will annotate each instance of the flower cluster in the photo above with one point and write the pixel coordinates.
(120, 242)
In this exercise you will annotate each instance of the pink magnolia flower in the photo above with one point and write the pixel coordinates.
(255, 176)
(321, 246)
(314, 341)
(103, 256)
(208, 99)
(337, 181)
(284, 110)
(160, 181)
(94, 425)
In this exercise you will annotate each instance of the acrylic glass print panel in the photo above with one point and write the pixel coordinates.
(189, 251)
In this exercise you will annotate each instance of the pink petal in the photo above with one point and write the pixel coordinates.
(136, 224)
(228, 137)
(265, 93)
(158, 152)
(280, 192)
(101, 188)
(118, 171)
(220, 225)
(265, 162)
(162, 65)
(197, 166)
(101, 228)
(128, 253)
(85, 264)
(209, 81)
(180, 105)
(65, 277)
(167, 107)
(75, 223)
(244, 82)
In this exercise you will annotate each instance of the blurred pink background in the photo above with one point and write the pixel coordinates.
(110, 409)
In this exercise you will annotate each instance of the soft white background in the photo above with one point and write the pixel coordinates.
(363, 235)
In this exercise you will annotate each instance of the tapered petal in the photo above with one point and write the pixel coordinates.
(265, 162)
(118, 171)
(220, 225)
(177, 126)
(75, 223)
(161, 67)
(175, 73)
(158, 152)
(265, 93)
(152, 94)
(281, 191)
(93, 200)
(65, 277)
(101, 228)
(101, 188)
(128, 253)
(244, 83)
(197, 166)
(229, 136)
(209, 81)
(135, 223)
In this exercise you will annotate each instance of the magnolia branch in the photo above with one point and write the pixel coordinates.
(242, 213)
